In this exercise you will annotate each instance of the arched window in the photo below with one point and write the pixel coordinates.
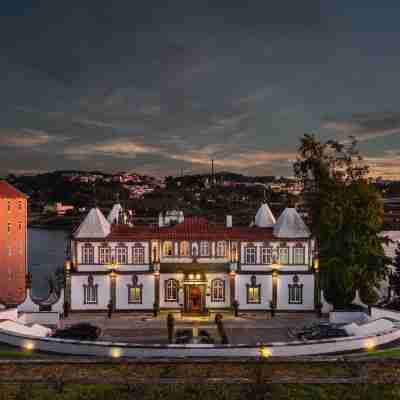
(184, 249)
(221, 249)
(195, 251)
(168, 250)
(218, 290)
(171, 290)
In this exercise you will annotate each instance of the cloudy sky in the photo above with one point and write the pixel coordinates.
(160, 86)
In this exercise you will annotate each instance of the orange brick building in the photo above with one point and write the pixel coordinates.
(13, 244)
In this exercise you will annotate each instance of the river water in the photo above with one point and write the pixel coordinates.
(46, 254)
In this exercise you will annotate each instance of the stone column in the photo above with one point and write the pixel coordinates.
(157, 289)
(113, 290)
(67, 283)
(232, 276)
(275, 277)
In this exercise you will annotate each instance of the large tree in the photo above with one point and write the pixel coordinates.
(346, 215)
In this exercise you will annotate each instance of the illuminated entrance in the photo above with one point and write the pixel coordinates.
(195, 286)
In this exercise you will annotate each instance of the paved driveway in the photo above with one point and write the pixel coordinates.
(247, 329)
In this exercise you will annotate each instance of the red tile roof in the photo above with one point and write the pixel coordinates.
(8, 191)
(193, 228)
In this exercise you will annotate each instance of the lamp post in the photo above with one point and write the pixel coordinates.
(112, 266)
(318, 304)
(275, 276)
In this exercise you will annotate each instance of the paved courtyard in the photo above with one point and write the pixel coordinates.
(144, 329)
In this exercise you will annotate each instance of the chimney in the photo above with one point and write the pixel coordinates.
(229, 221)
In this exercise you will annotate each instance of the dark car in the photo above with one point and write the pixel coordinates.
(81, 331)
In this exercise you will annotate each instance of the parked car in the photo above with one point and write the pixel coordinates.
(81, 331)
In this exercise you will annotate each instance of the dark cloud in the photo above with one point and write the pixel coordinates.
(157, 85)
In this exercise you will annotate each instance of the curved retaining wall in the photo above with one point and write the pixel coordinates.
(116, 349)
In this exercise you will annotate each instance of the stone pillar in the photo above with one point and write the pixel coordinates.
(232, 280)
(157, 290)
(275, 277)
(67, 283)
(317, 288)
(113, 290)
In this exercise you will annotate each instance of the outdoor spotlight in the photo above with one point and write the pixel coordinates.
(265, 352)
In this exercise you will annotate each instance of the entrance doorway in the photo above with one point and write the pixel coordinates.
(194, 298)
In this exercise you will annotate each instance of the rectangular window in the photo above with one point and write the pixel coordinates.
(90, 294)
(19, 205)
(295, 294)
(284, 255)
(87, 255)
(10, 251)
(253, 294)
(298, 255)
(104, 255)
(266, 255)
(9, 227)
(250, 255)
(138, 255)
(134, 294)
(204, 248)
(9, 206)
(122, 255)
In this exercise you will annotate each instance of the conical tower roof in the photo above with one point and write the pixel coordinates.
(113, 216)
(291, 225)
(94, 225)
(264, 217)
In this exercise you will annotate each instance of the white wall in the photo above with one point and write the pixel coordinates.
(122, 282)
(77, 282)
(42, 317)
(383, 313)
(241, 291)
(283, 292)
(10, 313)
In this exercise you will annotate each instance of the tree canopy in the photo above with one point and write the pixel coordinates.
(346, 216)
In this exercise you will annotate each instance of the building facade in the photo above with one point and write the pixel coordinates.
(13, 242)
(191, 265)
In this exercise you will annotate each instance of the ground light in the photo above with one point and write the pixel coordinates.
(115, 352)
(370, 345)
(29, 346)
(265, 352)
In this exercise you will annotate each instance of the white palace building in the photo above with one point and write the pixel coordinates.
(190, 265)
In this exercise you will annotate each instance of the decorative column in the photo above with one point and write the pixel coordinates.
(156, 306)
(317, 284)
(113, 290)
(275, 276)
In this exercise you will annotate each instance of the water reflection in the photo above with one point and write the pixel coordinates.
(46, 254)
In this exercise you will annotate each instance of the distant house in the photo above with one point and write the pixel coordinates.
(57, 208)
